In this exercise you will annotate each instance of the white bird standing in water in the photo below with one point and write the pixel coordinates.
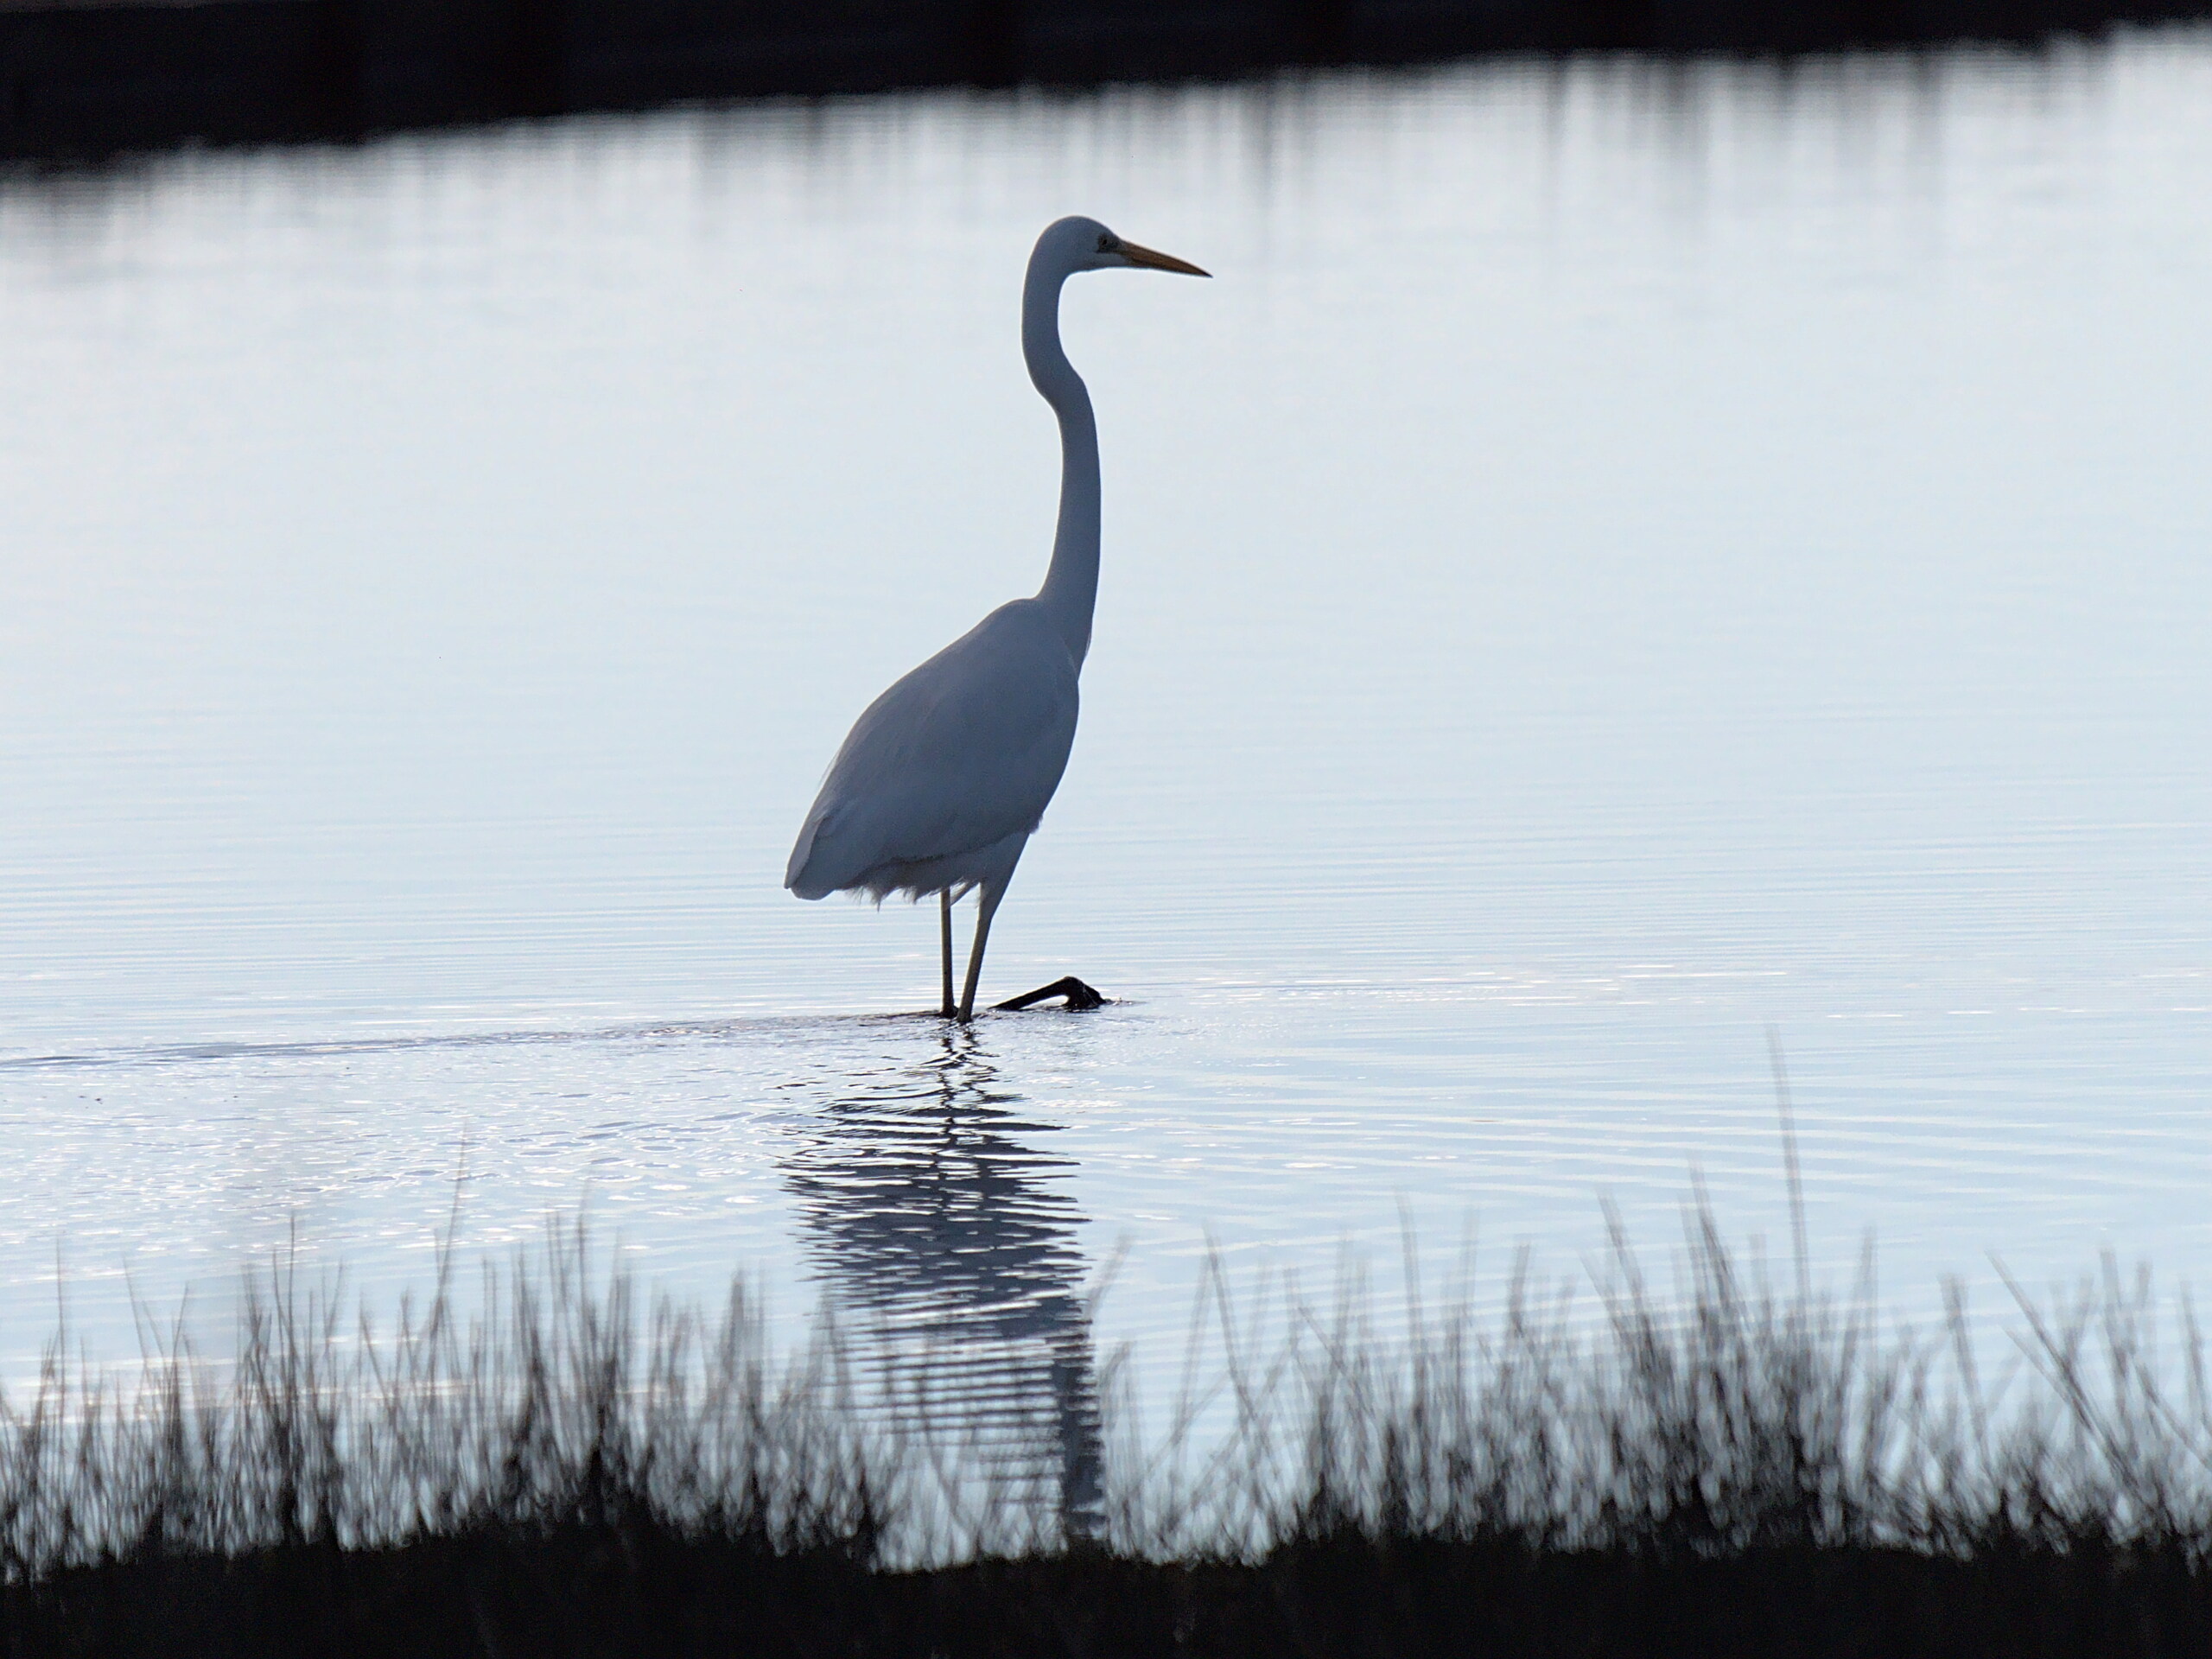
(944, 778)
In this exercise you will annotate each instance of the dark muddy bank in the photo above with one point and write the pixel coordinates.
(89, 77)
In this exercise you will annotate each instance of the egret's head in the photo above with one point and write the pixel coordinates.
(1085, 244)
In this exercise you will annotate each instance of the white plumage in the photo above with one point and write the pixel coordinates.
(946, 774)
(943, 779)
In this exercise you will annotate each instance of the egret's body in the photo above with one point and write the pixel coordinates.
(943, 779)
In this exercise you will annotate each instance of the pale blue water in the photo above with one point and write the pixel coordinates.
(1619, 557)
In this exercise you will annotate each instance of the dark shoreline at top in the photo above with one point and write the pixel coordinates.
(85, 79)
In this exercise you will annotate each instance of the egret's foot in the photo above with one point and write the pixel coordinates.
(1078, 995)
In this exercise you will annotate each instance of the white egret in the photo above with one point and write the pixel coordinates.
(943, 779)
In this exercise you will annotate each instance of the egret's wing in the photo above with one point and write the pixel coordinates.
(961, 752)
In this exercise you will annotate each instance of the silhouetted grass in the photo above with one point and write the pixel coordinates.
(1724, 1469)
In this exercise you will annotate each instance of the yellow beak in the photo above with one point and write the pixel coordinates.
(1153, 261)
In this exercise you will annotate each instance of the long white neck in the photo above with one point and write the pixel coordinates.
(1070, 590)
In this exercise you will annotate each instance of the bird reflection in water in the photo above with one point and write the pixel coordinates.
(952, 1260)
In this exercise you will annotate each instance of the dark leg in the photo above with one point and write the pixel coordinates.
(945, 938)
(1079, 995)
(987, 906)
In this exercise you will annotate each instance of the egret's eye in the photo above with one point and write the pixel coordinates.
(1106, 242)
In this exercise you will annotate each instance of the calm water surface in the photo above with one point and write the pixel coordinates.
(1622, 556)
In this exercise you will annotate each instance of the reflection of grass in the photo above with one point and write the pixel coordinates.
(1725, 1471)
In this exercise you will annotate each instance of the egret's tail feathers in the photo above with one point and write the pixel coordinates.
(820, 866)
(800, 875)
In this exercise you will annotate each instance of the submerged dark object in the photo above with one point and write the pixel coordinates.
(1078, 995)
